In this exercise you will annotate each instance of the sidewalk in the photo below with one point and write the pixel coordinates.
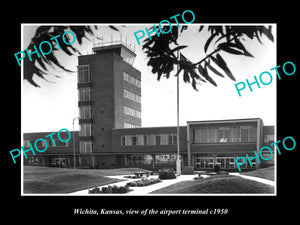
(164, 183)
(140, 190)
(258, 179)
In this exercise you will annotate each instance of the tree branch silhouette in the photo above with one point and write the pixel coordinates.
(161, 57)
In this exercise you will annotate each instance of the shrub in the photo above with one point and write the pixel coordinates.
(198, 178)
(110, 189)
(216, 168)
(223, 173)
(166, 174)
(143, 182)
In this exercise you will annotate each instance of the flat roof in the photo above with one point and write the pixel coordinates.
(224, 121)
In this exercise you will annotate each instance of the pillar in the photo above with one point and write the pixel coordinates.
(258, 141)
(153, 161)
(125, 161)
(189, 159)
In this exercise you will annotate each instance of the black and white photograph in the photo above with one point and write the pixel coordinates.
(199, 132)
(131, 118)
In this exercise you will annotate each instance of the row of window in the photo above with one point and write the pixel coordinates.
(222, 162)
(149, 159)
(131, 96)
(84, 76)
(149, 139)
(132, 112)
(131, 79)
(225, 134)
(85, 94)
(57, 143)
(130, 125)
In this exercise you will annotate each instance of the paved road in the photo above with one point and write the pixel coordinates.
(258, 179)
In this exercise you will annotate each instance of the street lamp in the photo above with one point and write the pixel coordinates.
(74, 157)
(178, 163)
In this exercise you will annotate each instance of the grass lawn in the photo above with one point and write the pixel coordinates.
(266, 173)
(222, 184)
(61, 180)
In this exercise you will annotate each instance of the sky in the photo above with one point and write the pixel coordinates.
(54, 105)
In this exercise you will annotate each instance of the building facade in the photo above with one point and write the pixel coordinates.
(111, 133)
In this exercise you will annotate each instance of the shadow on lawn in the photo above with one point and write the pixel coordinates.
(218, 184)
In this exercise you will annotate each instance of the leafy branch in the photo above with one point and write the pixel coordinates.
(226, 39)
(38, 65)
(161, 57)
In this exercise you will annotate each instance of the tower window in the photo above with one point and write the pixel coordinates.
(85, 130)
(85, 112)
(85, 94)
(84, 74)
(131, 79)
(86, 146)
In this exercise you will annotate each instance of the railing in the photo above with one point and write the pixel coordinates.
(108, 43)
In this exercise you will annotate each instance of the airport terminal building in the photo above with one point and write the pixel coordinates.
(111, 136)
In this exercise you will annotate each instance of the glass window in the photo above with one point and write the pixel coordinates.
(85, 94)
(85, 112)
(132, 112)
(236, 134)
(84, 75)
(131, 79)
(164, 139)
(203, 135)
(240, 161)
(204, 162)
(224, 134)
(172, 139)
(227, 135)
(128, 140)
(140, 140)
(85, 130)
(132, 96)
(225, 162)
(244, 134)
(196, 136)
(253, 134)
(152, 140)
(86, 146)
(211, 135)
(134, 140)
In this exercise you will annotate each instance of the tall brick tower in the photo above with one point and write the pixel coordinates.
(109, 90)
